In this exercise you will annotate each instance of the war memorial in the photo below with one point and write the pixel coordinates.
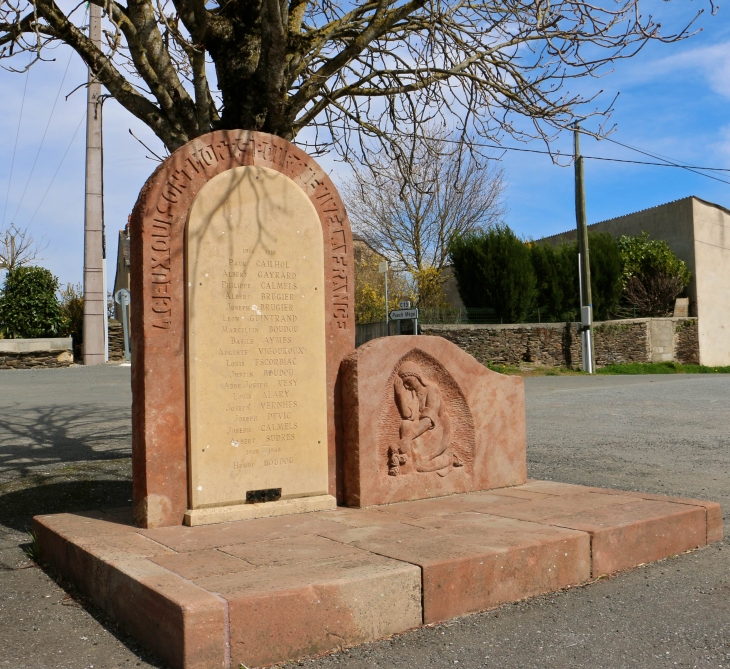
(293, 494)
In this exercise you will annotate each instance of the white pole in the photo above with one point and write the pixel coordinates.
(94, 294)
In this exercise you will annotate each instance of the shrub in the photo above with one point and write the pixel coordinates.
(429, 286)
(72, 313)
(28, 304)
(653, 276)
(606, 272)
(493, 269)
(556, 271)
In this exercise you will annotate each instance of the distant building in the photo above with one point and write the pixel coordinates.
(121, 280)
(699, 233)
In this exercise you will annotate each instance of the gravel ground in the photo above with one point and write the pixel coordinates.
(64, 446)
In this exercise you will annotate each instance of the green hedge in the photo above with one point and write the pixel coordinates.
(28, 304)
(497, 270)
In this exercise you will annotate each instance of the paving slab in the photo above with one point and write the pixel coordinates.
(274, 589)
(472, 562)
(294, 610)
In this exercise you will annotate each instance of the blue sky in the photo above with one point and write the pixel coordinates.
(674, 100)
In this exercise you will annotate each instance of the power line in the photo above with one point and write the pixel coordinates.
(672, 163)
(43, 139)
(17, 134)
(58, 168)
(614, 160)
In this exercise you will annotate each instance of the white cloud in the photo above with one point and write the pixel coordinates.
(711, 62)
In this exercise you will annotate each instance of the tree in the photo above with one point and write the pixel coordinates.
(653, 276)
(493, 269)
(370, 286)
(380, 68)
(409, 207)
(550, 281)
(28, 304)
(72, 315)
(556, 271)
(18, 248)
(606, 268)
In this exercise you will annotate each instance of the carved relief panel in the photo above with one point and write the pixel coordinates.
(425, 424)
(425, 419)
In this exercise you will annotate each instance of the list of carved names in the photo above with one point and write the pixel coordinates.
(261, 349)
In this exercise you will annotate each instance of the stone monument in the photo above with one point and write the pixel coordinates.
(242, 276)
(249, 401)
(425, 419)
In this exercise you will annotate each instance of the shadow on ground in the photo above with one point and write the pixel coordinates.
(17, 507)
(40, 436)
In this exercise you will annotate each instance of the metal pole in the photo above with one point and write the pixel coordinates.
(94, 297)
(387, 326)
(584, 270)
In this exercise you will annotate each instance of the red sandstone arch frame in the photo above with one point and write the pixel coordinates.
(157, 231)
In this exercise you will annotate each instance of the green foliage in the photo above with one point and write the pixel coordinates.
(606, 269)
(556, 271)
(660, 368)
(641, 255)
(370, 287)
(28, 304)
(493, 269)
(72, 313)
(653, 276)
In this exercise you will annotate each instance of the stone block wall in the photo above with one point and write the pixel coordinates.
(35, 359)
(551, 344)
(35, 353)
(686, 341)
(619, 342)
(559, 344)
(116, 340)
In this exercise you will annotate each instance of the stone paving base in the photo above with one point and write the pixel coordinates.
(272, 589)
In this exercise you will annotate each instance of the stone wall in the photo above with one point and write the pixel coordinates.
(552, 344)
(116, 340)
(618, 342)
(559, 345)
(686, 341)
(35, 353)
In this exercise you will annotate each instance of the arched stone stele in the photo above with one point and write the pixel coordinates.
(161, 471)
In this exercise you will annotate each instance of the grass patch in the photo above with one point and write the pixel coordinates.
(660, 368)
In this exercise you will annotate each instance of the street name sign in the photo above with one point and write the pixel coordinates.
(404, 314)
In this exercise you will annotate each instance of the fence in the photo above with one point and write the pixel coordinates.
(472, 316)
(364, 332)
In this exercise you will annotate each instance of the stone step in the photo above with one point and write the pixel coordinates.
(273, 589)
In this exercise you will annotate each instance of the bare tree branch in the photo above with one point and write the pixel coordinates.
(351, 72)
(17, 248)
(409, 207)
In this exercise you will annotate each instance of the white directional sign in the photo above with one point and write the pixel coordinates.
(404, 314)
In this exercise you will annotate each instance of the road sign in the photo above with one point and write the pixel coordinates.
(383, 267)
(405, 304)
(122, 296)
(404, 314)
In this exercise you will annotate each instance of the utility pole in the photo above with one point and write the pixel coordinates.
(584, 267)
(94, 285)
(383, 269)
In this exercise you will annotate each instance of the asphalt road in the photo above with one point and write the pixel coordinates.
(64, 445)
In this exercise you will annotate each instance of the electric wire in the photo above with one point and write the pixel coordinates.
(58, 168)
(17, 134)
(615, 160)
(672, 163)
(45, 132)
